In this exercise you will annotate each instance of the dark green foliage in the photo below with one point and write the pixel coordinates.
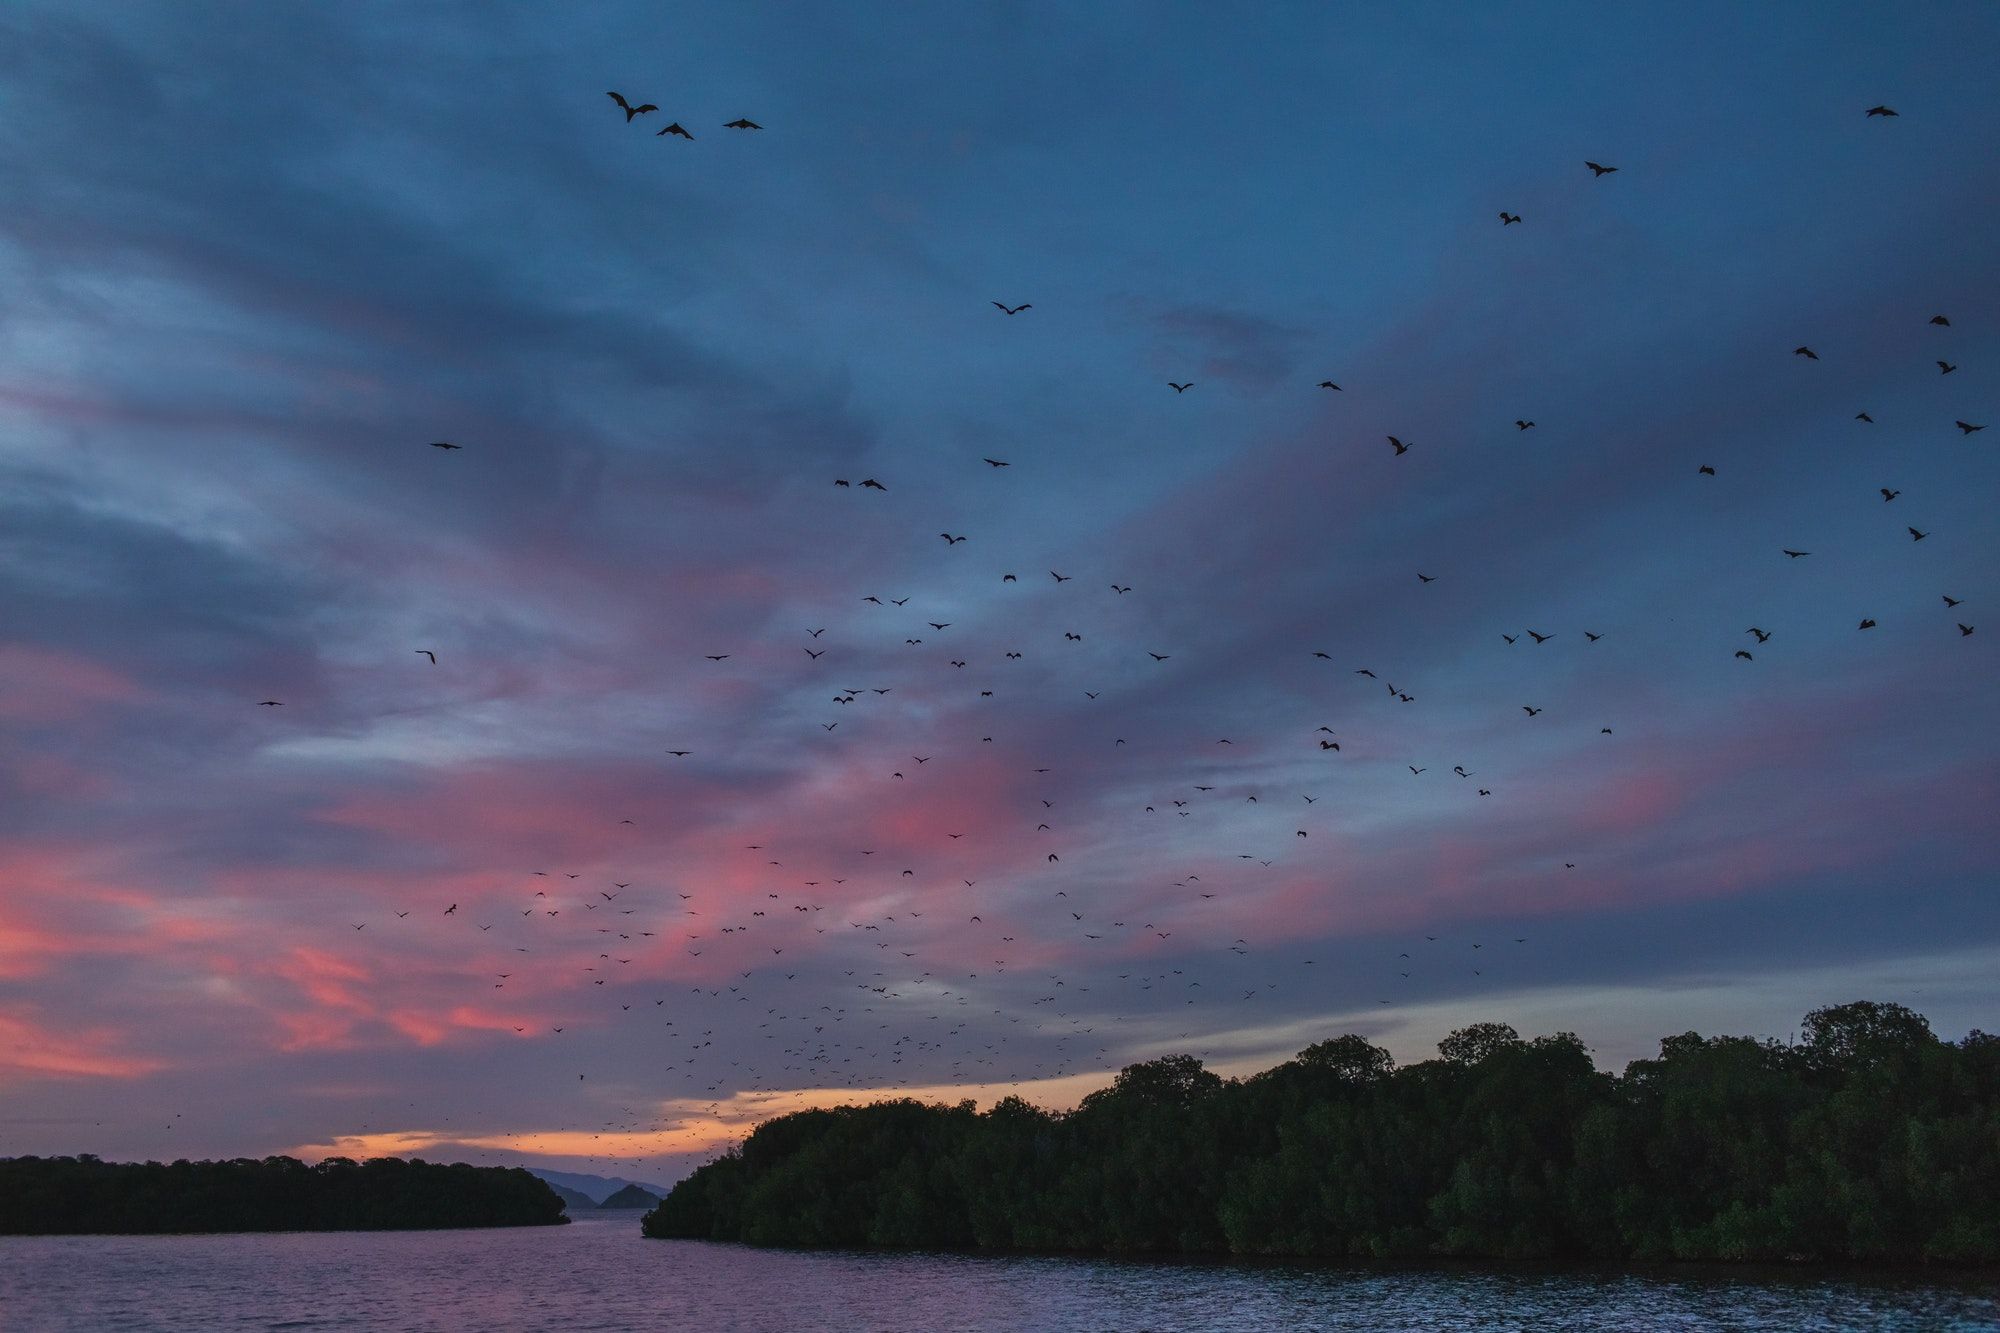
(1870, 1140)
(63, 1195)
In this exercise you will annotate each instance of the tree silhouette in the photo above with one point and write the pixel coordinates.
(58, 1195)
(1871, 1140)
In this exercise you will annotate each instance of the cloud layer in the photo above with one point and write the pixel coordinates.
(296, 247)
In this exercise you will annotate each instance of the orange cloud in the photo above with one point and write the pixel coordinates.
(694, 1127)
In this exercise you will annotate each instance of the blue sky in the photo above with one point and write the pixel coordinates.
(254, 260)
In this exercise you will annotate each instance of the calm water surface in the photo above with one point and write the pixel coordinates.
(600, 1274)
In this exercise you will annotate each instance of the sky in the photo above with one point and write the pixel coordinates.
(255, 260)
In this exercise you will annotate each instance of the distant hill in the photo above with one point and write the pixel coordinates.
(574, 1201)
(594, 1188)
(632, 1196)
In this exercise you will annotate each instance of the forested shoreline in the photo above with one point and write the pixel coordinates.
(42, 1196)
(1869, 1140)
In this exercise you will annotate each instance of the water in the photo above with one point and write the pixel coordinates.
(600, 1274)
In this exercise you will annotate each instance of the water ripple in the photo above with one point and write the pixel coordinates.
(599, 1274)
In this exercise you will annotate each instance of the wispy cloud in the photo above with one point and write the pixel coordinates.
(231, 337)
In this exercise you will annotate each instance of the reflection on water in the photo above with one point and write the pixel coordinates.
(600, 1274)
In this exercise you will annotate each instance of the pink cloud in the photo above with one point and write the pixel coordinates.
(49, 775)
(308, 1030)
(29, 1049)
(39, 685)
(60, 903)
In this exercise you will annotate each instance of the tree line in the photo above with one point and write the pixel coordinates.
(1867, 1140)
(62, 1195)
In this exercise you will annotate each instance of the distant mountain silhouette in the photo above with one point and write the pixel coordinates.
(595, 1188)
(575, 1201)
(631, 1197)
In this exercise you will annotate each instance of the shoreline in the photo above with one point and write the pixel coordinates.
(1758, 1269)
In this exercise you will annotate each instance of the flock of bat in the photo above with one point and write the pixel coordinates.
(675, 129)
(805, 1037)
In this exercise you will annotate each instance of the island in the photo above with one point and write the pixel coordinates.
(42, 1196)
(632, 1196)
(1866, 1140)
(574, 1200)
